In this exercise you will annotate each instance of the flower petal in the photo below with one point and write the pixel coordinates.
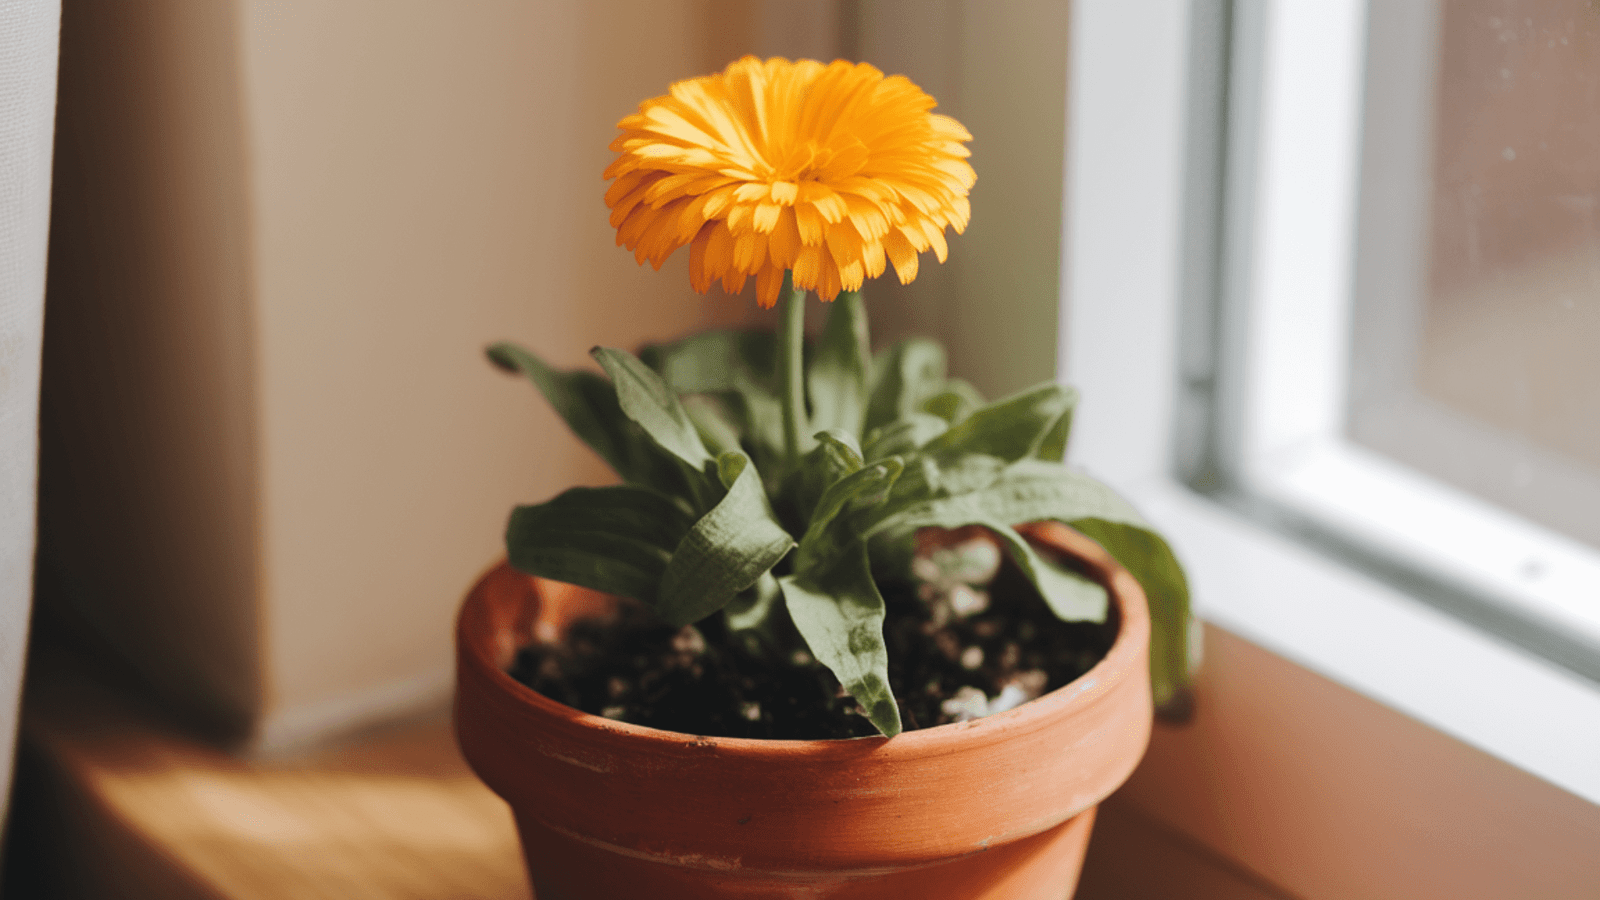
(833, 172)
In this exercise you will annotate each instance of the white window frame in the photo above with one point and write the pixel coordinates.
(1123, 252)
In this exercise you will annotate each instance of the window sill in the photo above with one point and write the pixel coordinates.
(1350, 741)
(1382, 643)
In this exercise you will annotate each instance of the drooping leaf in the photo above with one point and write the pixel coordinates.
(903, 376)
(615, 539)
(1070, 596)
(840, 616)
(837, 379)
(1032, 490)
(726, 550)
(1148, 558)
(647, 400)
(1009, 429)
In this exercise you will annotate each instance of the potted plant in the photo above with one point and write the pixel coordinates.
(806, 545)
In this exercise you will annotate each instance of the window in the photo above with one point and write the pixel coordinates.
(1224, 151)
(1412, 379)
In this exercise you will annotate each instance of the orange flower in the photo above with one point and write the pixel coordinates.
(827, 170)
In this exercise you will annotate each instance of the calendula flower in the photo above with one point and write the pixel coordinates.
(826, 170)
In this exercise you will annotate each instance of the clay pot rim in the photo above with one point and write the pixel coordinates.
(1087, 689)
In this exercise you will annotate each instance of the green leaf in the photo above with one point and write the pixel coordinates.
(752, 609)
(715, 361)
(1071, 597)
(737, 367)
(927, 478)
(1032, 490)
(835, 456)
(955, 402)
(726, 551)
(647, 400)
(761, 422)
(904, 435)
(1146, 555)
(832, 533)
(589, 406)
(1053, 446)
(903, 376)
(976, 490)
(712, 420)
(1010, 429)
(613, 539)
(838, 375)
(840, 616)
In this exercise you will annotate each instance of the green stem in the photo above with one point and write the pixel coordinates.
(791, 370)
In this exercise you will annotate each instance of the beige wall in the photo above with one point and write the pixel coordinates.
(1000, 67)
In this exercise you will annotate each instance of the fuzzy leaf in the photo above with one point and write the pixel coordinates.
(1031, 490)
(903, 376)
(927, 478)
(840, 615)
(726, 551)
(1144, 554)
(613, 539)
(647, 400)
(838, 374)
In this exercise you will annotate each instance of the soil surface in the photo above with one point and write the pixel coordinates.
(703, 680)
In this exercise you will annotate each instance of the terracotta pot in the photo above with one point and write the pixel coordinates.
(998, 808)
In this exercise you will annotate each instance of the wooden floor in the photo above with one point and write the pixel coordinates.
(113, 804)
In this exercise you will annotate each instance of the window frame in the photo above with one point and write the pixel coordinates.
(1138, 139)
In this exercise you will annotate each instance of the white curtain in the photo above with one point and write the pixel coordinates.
(29, 37)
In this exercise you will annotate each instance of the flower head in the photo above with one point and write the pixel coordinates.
(767, 166)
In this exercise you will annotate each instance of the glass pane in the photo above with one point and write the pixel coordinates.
(1479, 362)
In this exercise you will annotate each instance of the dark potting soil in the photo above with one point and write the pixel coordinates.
(703, 680)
